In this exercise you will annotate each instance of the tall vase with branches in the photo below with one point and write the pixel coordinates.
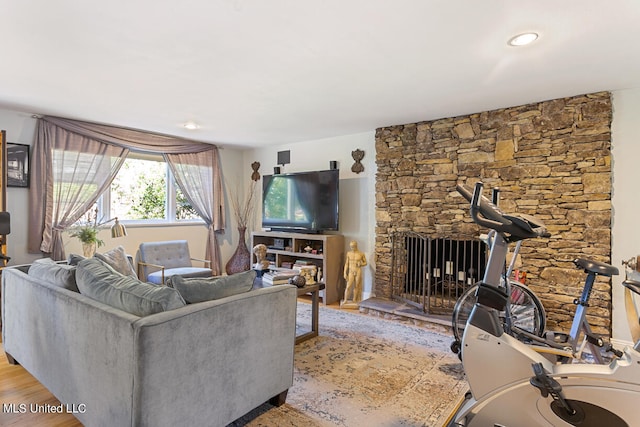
(243, 213)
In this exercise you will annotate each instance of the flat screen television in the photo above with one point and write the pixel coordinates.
(305, 202)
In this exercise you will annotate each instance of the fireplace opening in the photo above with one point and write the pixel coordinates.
(432, 273)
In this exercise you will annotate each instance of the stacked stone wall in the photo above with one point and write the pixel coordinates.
(550, 159)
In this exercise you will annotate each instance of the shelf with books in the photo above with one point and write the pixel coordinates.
(325, 252)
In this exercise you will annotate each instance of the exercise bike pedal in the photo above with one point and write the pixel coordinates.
(549, 386)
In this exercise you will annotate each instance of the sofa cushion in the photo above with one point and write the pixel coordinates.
(198, 289)
(61, 275)
(99, 281)
(118, 260)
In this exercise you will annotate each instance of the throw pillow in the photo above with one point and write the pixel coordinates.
(198, 289)
(117, 258)
(97, 280)
(74, 259)
(61, 275)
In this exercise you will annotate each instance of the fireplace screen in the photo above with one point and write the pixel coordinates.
(431, 273)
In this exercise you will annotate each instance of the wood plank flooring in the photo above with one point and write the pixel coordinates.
(18, 387)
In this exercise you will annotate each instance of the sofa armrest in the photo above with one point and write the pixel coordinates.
(79, 349)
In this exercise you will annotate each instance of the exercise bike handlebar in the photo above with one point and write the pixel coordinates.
(492, 217)
(486, 214)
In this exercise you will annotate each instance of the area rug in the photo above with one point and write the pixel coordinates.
(364, 370)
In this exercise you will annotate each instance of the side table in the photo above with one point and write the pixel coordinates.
(314, 290)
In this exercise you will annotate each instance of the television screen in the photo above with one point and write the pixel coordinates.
(304, 201)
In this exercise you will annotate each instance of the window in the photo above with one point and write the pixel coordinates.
(144, 191)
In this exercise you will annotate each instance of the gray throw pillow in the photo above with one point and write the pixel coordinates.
(198, 289)
(74, 259)
(61, 275)
(118, 260)
(99, 281)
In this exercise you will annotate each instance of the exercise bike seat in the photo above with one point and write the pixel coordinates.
(591, 266)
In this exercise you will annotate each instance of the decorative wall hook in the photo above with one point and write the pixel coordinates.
(357, 155)
(255, 175)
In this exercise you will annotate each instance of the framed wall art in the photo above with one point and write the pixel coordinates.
(17, 165)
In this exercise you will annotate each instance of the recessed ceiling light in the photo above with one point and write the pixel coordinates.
(523, 39)
(191, 125)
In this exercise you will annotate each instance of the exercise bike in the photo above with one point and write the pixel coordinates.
(524, 310)
(513, 385)
(524, 316)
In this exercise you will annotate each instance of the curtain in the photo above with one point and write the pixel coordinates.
(50, 129)
(195, 174)
(73, 171)
(132, 139)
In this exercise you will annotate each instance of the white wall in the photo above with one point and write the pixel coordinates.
(625, 136)
(357, 191)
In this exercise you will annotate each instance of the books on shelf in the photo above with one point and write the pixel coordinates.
(267, 281)
(279, 276)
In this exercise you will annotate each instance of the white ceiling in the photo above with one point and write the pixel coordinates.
(261, 72)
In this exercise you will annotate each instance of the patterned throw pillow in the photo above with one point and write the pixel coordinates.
(117, 258)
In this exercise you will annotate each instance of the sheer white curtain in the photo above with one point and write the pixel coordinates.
(195, 175)
(73, 171)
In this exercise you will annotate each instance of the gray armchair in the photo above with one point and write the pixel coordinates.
(158, 261)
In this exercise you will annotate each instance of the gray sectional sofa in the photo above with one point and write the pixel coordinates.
(203, 364)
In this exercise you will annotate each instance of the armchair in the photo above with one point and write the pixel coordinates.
(158, 261)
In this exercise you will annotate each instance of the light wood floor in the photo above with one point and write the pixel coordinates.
(18, 387)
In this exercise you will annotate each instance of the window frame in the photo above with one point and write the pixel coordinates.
(171, 207)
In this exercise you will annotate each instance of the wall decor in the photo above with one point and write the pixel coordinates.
(255, 175)
(357, 155)
(17, 165)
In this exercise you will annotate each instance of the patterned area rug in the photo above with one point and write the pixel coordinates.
(367, 371)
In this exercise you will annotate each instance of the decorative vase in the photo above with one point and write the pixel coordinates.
(241, 258)
(89, 249)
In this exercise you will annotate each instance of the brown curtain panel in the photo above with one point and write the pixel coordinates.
(194, 174)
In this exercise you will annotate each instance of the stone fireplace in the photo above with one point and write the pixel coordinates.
(550, 159)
